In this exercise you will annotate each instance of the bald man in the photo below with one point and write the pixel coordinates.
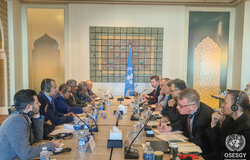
(89, 92)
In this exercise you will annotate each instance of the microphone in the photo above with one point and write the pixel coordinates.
(118, 117)
(143, 91)
(135, 86)
(130, 153)
(92, 128)
(92, 105)
(144, 102)
(136, 117)
(101, 90)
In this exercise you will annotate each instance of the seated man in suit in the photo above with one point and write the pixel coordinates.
(45, 97)
(22, 128)
(153, 96)
(89, 91)
(195, 120)
(62, 106)
(164, 96)
(73, 100)
(60, 101)
(81, 90)
(170, 110)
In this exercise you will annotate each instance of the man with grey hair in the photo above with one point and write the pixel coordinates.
(81, 90)
(89, 93)
(195, 120)
(73, 100)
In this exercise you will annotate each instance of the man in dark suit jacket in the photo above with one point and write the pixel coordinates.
(73, 100)
(195, 120)
(82, 88)
(170, 111)
(153, 96)
(48, 90)
(60, 101)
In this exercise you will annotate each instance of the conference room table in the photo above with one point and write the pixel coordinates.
(101, 152)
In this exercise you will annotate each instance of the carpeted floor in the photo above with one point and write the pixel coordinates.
(2, 118)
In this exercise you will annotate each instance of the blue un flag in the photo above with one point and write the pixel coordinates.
(129, 82)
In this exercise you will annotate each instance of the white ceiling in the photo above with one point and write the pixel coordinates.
(222, 3)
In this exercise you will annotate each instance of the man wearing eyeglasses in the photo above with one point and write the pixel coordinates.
(73, 100)
(170, 111)
(195, 120)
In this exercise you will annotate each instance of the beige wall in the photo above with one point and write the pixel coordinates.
(245, 73)
(237, 56)
(15, 48)
(174, 19)
(51, 22)
(81, 16)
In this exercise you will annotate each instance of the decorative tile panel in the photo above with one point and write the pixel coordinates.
(109, 47)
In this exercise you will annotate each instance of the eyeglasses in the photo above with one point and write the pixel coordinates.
(182, 106)
(173, 90)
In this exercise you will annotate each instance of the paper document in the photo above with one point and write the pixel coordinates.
(188, 147)
(177, 137)
(167, 133)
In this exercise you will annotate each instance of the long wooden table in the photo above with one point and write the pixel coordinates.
(101, 152)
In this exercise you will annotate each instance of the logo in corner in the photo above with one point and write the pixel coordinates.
(235, 142)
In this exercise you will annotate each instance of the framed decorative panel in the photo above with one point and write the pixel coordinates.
(109, 48)
(4, 56)
(207, 54)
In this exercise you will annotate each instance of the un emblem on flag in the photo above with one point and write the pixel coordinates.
(235, 142)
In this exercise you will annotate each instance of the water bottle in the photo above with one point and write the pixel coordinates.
(101, 109)
(224, 93)
(127, 140)
(134, 131)
(104, 115)
(44, 155)
(82, 142)
(77, 127)
(148, 152)
(108, 103)
(220, 92)
(95, 114)
(148, 111)
(86, 130)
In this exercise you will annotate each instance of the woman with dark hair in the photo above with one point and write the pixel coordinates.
(230, 128)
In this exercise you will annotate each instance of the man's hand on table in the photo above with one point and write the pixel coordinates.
(164, 128)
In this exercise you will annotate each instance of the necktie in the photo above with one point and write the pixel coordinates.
(188, 126)
(74, 99)
(154, 95)
(53, 106)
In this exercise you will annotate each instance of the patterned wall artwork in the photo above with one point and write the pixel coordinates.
(4, 50)
(109, 47)
(207, 54)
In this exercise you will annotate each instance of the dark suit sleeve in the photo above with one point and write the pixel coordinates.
(213, 136)
(70, 102)
(60, 105)
(154, 99)
(37, 128)
(172, 113)
(55, 119)
(151, 94)
(178, 125)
